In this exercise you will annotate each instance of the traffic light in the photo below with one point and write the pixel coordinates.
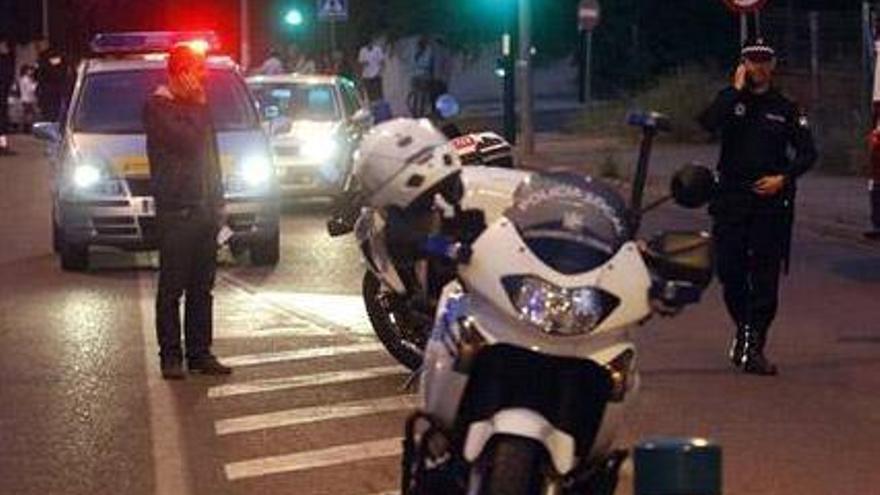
(293, 17)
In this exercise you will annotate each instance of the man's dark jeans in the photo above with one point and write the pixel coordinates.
(187, 265)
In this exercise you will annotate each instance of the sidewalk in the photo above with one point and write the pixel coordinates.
(829, 205)
(495, 109)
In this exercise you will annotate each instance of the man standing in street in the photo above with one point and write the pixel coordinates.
(372, 60)
(53, 83)
(7, 76)
(753, 211)
(187, 186)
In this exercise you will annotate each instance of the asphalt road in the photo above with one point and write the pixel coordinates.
(315, 407)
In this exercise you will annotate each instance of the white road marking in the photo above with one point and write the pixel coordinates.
(171, 468)
(292, 382)
(305, 415)
(346, 311)
(313, 459)
(300, 354)
(260, 312)
(338, 313)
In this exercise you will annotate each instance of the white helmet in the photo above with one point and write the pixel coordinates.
(400, 160)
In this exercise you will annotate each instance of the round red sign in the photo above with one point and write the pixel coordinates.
(745, 6)
(589, 14)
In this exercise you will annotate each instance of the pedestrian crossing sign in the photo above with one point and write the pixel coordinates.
(333, 10)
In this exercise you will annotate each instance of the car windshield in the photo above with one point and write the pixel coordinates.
(299, 101)
(571, 223)
(112, 102)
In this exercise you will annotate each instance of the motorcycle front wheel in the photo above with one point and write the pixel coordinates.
(402, 338)
(512, 466)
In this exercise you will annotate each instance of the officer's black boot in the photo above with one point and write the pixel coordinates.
(754, 361)
(737, 346)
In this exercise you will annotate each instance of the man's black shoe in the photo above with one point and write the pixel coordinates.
(172, 370)
(736, 352)
(872, 235)
(208, 365)
(758, 364)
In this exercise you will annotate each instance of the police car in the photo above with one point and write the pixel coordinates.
(101, 182)
(325, 119)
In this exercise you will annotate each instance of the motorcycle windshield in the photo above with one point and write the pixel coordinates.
(572, 223)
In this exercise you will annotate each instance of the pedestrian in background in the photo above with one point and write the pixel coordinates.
(442, 70)
(53, 82)
(187, 185)
(302, 63)
(272, 65)
(422, 80)
(874, 165)
(7, 78)
(371, 57)
(27, 90)
(754, 209)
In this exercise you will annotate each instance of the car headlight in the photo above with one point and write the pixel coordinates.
(557, 310)
(320, 148)
(86, 176)
(256, 170)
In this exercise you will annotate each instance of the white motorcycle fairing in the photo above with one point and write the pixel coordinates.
(522, 423)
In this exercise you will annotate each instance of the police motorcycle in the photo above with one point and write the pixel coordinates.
(401, 285)
(530, 365)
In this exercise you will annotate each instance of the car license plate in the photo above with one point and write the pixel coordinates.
(148, 207)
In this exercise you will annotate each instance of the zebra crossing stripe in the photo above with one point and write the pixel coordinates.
(313, 459)
(300, 381)
(305, 415)
(300, 354)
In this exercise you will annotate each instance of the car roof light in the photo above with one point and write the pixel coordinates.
(153, 41)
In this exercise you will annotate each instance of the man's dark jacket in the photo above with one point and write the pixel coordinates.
(761, 135)
(182, 150)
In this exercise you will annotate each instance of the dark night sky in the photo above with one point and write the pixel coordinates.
(20, 19)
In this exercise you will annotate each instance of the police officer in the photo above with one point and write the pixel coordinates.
(766, 145)
(7, 76)
(187, 185)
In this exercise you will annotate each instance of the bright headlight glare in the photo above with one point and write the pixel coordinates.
(256, 170)
(556, 310)
(86, 176)
(320, 148)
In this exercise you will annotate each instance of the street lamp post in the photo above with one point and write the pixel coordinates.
(244, 20)
(46, 20)
(524, 70)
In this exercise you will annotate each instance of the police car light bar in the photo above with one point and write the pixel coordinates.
(153, 41)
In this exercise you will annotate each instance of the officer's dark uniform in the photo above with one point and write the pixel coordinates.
(187, 186)
(761, 135)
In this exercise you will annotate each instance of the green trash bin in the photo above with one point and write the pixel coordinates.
(677, 466)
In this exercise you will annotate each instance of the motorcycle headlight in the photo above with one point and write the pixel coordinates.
(556, 310)
(86, 176)
(321, 149)
(256, 170)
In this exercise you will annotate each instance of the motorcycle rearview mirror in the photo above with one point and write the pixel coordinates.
(338, 226)
(47, 131)
(447, 106)
(692, 186)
